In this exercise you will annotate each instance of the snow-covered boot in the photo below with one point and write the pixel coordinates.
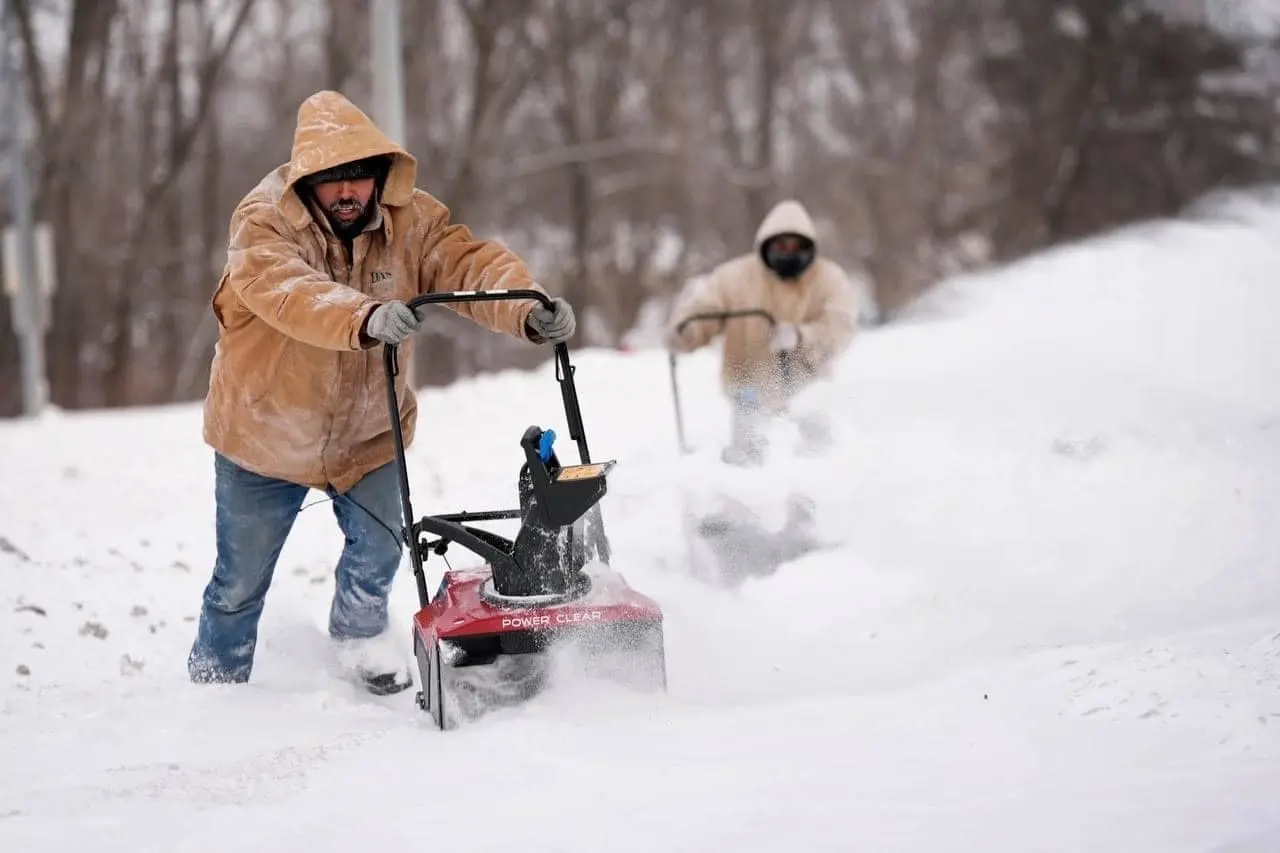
(376, 662)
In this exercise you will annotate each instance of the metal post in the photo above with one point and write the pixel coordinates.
(387, 68)
(28, 320)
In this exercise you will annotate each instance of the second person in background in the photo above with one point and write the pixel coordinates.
(763, 366)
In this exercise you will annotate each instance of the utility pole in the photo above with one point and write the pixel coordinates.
(387, 61)
(29, 315)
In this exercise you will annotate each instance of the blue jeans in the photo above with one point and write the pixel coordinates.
(253, 518)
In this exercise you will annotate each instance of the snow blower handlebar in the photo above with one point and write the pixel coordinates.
(564, 370)
(573, 415)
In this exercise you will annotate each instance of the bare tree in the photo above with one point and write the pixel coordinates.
(67, 108)
(1153, 113)
(620, 147)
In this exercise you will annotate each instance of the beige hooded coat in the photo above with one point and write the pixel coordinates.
(293, 392)
(821, 303)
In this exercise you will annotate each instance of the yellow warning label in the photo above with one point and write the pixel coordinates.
(581, 472)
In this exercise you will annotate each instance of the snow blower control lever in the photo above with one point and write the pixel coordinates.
(548, 553)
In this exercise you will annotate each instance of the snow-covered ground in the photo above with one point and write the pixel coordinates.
(1048, 618)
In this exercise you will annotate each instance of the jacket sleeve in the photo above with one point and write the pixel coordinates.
(831, 332)
(454, 259)
(269, 273)
(710, 295)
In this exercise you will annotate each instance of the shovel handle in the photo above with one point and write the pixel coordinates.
(726, 315)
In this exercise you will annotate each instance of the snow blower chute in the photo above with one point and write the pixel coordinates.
(485, 639)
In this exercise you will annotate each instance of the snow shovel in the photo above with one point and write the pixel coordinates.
(719, 316)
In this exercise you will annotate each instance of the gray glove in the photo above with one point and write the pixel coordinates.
(392, 322)
(554, 324)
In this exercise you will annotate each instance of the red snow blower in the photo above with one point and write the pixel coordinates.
(491, 635)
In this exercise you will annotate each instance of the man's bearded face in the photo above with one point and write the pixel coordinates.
(347, 202)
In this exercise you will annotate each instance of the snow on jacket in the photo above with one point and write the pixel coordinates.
(821, 302)
(293, 392)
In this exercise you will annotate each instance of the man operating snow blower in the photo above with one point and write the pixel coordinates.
(324, 253)
(807, 316)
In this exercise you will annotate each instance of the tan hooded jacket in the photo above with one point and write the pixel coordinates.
(293, 393)
(822, 304)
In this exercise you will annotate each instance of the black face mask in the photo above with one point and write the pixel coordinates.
(788, 265)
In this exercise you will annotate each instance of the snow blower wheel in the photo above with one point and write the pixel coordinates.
(485, 640)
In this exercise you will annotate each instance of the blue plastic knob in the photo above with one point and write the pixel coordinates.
(547, 439)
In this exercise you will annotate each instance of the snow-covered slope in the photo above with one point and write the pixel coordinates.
(1048, 618)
